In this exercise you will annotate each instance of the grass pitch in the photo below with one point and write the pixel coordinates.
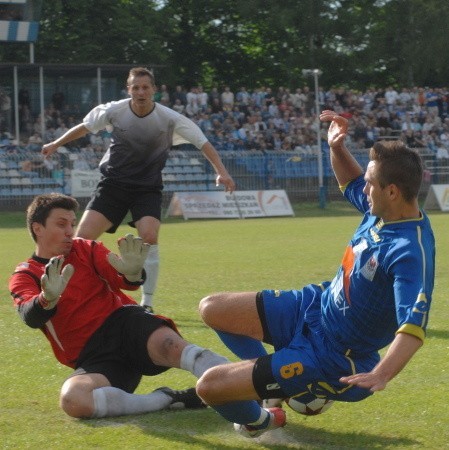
(198, 258)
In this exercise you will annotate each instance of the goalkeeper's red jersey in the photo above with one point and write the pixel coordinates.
(92, 294)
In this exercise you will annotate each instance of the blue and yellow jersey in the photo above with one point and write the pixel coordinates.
(384, 284)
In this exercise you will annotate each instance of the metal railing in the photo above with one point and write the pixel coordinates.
(24, 174)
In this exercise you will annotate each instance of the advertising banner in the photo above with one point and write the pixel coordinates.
(222, 205)
(84, 182)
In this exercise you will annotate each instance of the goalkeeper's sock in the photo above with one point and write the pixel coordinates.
(111, 402)
(151, 266)
(242, 346)
(197, 360)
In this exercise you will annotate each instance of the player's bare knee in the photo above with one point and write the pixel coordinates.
(74, 405)
(208, 387)
(209, 307)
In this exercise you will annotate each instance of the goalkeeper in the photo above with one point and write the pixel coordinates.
(71, 289)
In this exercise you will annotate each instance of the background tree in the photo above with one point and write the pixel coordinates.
(255, 42)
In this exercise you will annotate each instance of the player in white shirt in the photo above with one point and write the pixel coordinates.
(142, 134)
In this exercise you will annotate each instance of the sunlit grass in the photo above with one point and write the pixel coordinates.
(197, 258)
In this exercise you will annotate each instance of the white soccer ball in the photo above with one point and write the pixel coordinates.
(308, 404)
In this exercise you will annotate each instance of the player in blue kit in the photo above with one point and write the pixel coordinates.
(327, 336)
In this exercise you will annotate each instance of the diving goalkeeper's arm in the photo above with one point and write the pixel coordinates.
(54, 281)
(39, 300)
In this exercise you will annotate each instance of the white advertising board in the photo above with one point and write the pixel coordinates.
(438, 197)
(222, 205)
(84, 182)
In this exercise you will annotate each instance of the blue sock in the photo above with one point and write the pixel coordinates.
(242, 346)
(242, 412)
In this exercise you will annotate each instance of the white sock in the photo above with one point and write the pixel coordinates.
(151, 267)
(197, 360)
(111, 402)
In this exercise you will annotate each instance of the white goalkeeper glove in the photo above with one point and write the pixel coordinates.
(54, 281)
(133, 252)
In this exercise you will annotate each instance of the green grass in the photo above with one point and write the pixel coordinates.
(197, 258)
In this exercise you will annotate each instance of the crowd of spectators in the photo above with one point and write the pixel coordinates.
(266, 119)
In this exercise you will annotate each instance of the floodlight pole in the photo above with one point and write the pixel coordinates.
(322, 192)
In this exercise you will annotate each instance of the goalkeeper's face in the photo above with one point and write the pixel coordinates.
(55, 237)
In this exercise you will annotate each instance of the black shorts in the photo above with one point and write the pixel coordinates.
(118, 349)
(114, 200)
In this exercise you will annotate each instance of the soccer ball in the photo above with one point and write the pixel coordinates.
(308, 404)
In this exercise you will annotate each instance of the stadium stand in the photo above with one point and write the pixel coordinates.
(267, 141)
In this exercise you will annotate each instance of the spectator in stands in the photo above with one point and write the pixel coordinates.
(24, 98)
(431, 100)
(179, 94)
(178, 106)
(242, 99)
(61, 130)
(227, 98)
(162, 95)
(192, 107)
(391, 98)
(49, 135)
(25, 120)
(28, 168)
(58, 100)
(5, 111)
(214, 97)
(405, 98)
(81, 163)
(143, 133)
(384, 122)
(203, 99)
(5, 139)
(34, 142)
(216, 106)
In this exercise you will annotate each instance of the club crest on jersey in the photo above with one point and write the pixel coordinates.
(369, 269)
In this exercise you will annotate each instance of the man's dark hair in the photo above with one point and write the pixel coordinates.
(40, 208)
(141, 72)
(399, 165)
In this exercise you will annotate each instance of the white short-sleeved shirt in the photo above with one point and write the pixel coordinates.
(140, 145)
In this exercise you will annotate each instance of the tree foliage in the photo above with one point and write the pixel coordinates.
(255, 42)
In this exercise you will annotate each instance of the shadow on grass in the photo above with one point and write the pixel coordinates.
(206, 429)
(440, 334)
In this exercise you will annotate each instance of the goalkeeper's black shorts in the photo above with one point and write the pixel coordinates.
(118, 349)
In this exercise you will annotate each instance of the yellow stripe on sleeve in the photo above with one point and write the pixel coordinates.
(412, 329)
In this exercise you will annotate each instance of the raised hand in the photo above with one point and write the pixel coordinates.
(338, 128)
(133, 252)
(54, 281)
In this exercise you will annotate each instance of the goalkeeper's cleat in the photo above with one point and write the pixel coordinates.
(185, 399)
(277, 420)
(148, 308)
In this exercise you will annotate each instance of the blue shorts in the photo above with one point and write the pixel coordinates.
(304, 360)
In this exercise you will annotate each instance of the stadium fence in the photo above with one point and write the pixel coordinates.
(24, 174)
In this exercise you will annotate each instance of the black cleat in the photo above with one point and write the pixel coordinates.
(185, 399)
(148, 308)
